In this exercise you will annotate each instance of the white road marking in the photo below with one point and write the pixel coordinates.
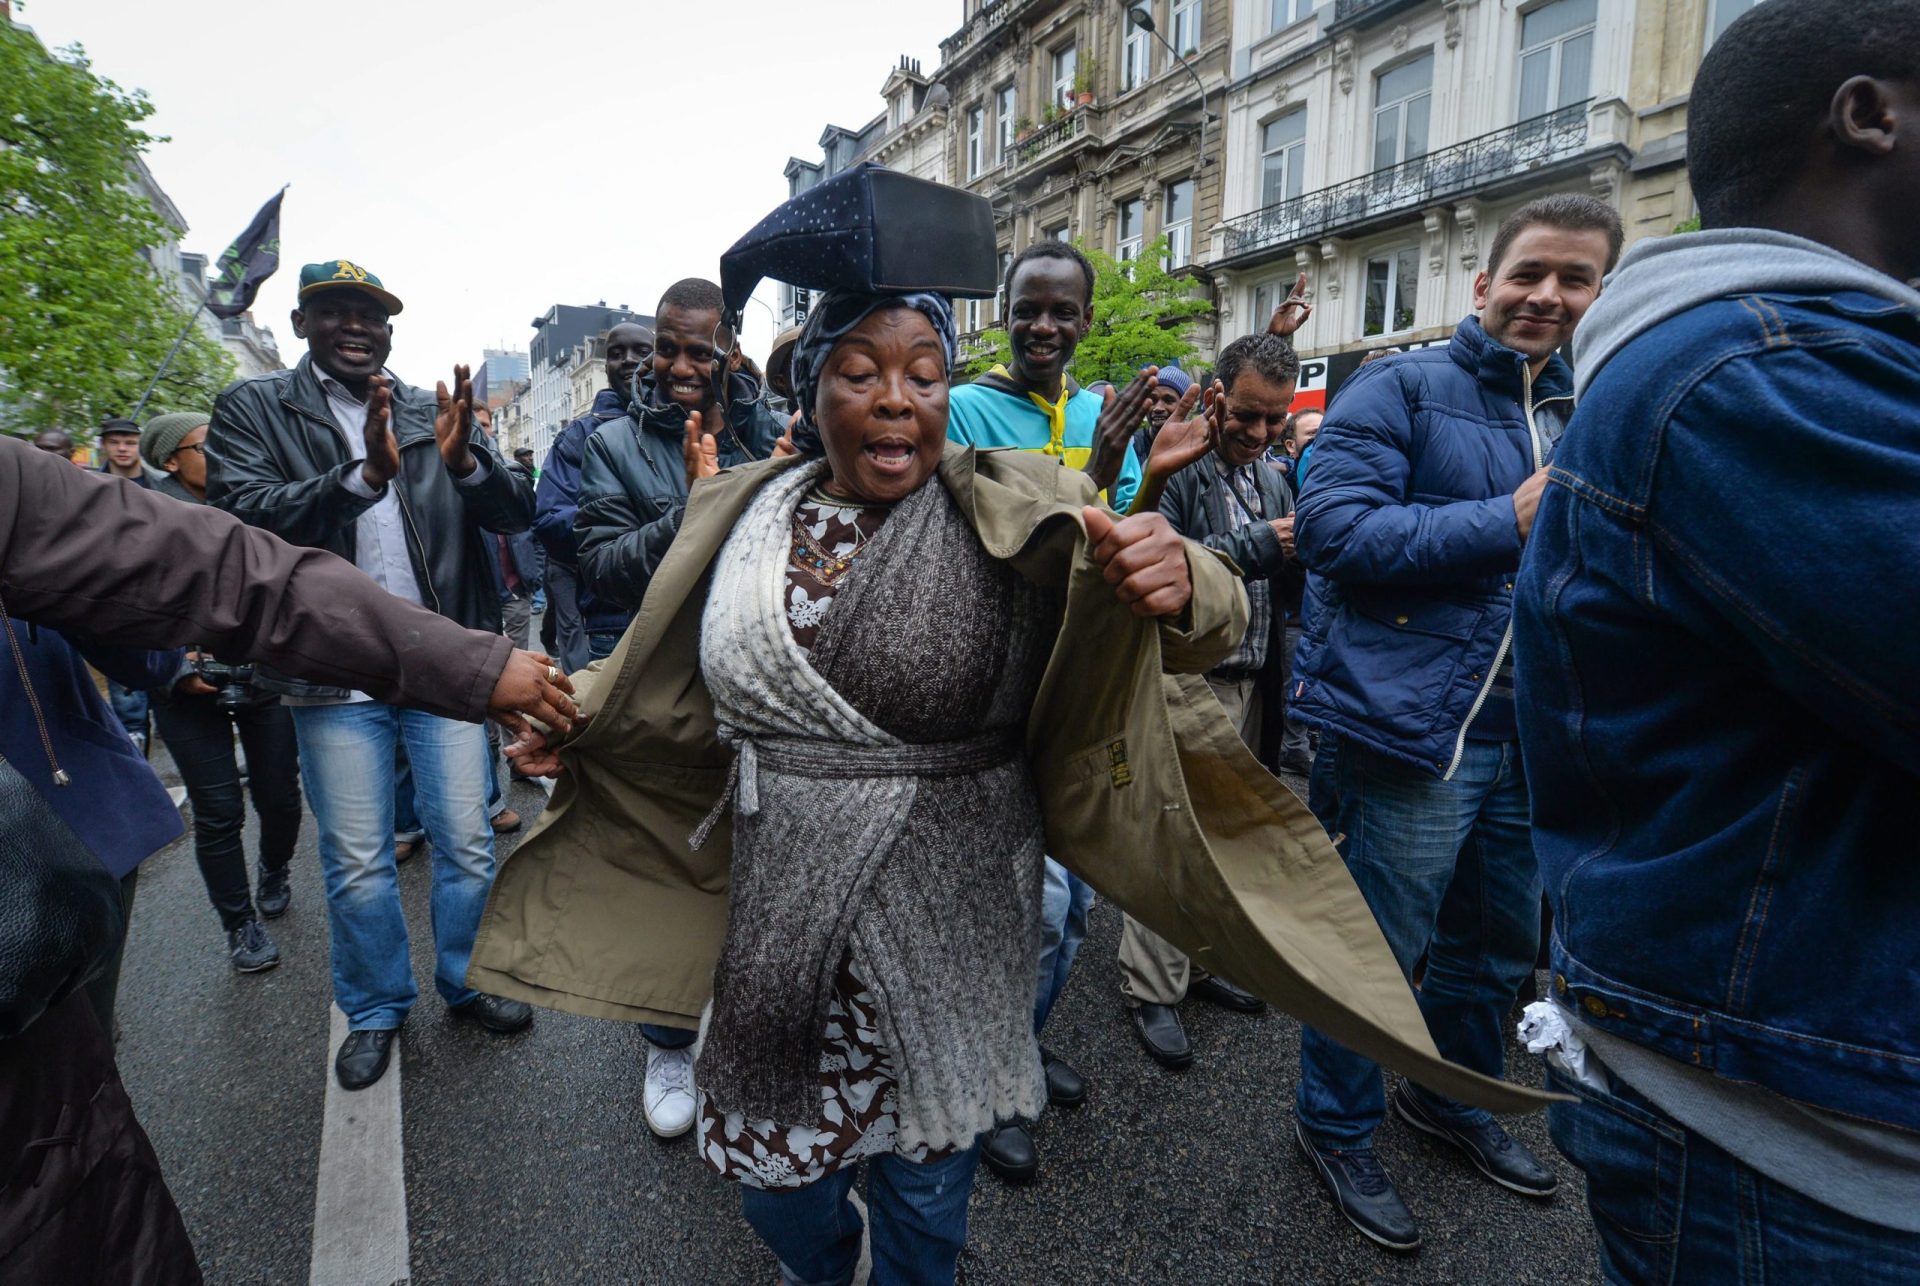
(360, 1205)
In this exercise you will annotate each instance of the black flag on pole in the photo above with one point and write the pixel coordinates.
(247, 263)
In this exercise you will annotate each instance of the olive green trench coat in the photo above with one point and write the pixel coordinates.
(1147, 792)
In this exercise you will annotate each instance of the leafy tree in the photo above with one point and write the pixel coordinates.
(1141, 315)
(85, 319)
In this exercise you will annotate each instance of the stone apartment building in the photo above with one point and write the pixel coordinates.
(1373, 144)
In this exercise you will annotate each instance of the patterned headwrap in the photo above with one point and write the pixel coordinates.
(834, 315)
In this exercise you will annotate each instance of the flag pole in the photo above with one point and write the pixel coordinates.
(193, 319)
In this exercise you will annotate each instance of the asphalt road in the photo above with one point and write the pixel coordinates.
(526, 1159)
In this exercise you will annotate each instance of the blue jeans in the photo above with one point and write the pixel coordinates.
(346, 757)
(919, 1214)
(1671, 1207)
(130, 707)
(1447, 868)
(600, 643)
(406, 819)
(1065, 899)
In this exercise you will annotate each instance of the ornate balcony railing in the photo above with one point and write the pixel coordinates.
(1438, 176)
(1048, 137)
(1346, 10)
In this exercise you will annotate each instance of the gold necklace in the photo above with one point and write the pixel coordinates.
(812, 557)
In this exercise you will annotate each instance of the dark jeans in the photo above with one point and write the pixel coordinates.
(918, 1213)
(131, 707)
(600, 643)
(1447, 868)
(569, 648)
(200, 735)
(1671, 1207)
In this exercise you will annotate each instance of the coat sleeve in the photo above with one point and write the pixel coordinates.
(84, 555)
(1254, 547)
(142, 669)
(557, 498)
(1357, 520)
(502, 501)
(620, 547)
(1215, 620)
(245, 478)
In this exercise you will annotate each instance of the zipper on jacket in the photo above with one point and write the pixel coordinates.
(60, 777)
(424, 575)
(1506, 640)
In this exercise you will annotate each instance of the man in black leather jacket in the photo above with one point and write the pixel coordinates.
(338, 454)
(633, 477)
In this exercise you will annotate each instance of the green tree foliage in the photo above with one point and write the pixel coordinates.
(85, 319)
(1141, 316)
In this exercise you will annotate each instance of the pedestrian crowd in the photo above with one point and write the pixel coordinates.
(860, 678)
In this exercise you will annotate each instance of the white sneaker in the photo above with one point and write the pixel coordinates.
(667, 1099)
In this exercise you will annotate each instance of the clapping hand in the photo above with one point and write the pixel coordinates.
(1119, 420)
(452, 421)
(383, 452)
(701, 451)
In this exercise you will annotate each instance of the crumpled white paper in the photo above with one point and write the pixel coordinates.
(1544, 1030)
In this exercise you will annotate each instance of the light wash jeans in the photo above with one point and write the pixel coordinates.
(918, 1212)
(346, 757)
(1065, 899)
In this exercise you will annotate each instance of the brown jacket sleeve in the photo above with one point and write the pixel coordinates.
(81, 551)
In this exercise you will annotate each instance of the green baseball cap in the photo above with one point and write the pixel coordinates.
(338, 273)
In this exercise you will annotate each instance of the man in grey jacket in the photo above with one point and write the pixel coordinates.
(1232, 501)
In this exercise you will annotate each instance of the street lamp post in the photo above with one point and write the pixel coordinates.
(1141, 16)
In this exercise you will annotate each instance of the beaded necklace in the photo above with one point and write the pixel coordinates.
(810, 556)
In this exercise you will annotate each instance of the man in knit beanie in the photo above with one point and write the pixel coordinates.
(1170, 385)
(173, 445)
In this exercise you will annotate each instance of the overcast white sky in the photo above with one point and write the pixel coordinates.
(489, 159)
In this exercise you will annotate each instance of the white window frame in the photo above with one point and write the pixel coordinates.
(1064, 232)
(1391, 257)
(1554, 49)
(1293, 161)
(1400, 107)
(976, 141)
(1720, 16)
(1127, 248)
(1136, 58)
(1179, 233)
(1186, 25)
(1066, 65)
(1006, 109)
(1284, 13)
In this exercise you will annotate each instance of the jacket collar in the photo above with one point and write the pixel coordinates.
(663, 415)
(302, 390)
(608, 405)
(1001, 380)
(1500, 368)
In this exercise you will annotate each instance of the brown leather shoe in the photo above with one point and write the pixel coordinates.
(505, 822)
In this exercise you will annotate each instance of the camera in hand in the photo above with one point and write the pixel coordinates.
(233, 684)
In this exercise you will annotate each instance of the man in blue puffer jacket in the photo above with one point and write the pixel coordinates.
(1427, 472)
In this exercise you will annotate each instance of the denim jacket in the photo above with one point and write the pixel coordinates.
(1718, 634)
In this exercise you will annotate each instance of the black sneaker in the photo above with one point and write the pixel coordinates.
(1362, 1192)
(251, 949)
(274, 894)
(1493, 1151)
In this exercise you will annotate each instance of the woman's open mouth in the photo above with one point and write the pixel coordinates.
(889, 455)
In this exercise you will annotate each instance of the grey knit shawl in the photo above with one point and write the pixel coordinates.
(885, 808)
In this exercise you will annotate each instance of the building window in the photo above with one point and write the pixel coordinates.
(1283, 157)
(1136, 58)
(1003, 110)
(976, 128)
(1393, 292)
(1186, 25)
(1066, 65)
(1284, 13)
(972, 316)
(1060, 233)
(1556, 55)
(1402, 98)
(1000, 295)
(1721, 13)
(1178, 224)
(1133, 224)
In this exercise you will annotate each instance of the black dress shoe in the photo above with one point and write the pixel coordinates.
(1493, 1151)
(1065, 1087)
(1362, 1192)
(274, 894)
(1218, 991)
(362, 1059)
(1159, 1029)
(1009, 1152)
(495, 1013)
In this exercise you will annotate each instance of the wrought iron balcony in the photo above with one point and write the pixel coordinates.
(1356, 11)
(1438, 176)
(1048, 137)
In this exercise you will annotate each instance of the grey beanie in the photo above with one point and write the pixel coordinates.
(161, 438)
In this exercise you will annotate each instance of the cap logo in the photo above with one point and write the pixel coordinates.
(349, 272)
